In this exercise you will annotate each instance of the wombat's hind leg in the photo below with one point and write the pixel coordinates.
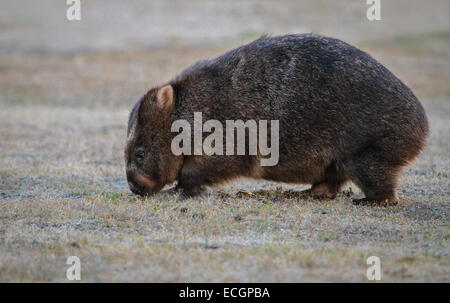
(376, 178)
(329, 186)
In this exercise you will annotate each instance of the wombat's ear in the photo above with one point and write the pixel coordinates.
(164, 98)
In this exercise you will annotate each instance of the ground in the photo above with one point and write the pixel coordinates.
(66, 91)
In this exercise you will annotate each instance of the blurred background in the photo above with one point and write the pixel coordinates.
(66, 88)
(120, 48)
(41, 26)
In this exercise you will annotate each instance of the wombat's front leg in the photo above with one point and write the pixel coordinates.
(191, 178)
(187, 188)
(209, 171)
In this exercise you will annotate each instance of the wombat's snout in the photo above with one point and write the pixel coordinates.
(141, 185)
(135, 188)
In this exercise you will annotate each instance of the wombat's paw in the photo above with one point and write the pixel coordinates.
(173, 191)
(347, 193)
(197, 192)
(371, 202)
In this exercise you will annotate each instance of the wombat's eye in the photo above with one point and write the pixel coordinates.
(140, 154)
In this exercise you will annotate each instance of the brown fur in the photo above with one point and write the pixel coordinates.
(343, 116)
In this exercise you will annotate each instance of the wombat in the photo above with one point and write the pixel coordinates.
(342, 117)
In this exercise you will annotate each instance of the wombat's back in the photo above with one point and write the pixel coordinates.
(325, 93)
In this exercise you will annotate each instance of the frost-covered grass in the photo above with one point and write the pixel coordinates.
(63, 190)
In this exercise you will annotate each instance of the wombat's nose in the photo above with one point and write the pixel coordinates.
(137, 190)
(133, 187)
(132, 184)
(142, 184)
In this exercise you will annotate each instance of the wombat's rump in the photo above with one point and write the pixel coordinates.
(342, 116)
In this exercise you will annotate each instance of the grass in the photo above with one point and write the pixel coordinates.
(63, 190)
(63, 193)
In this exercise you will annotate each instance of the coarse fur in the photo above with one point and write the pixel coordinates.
(342, 116)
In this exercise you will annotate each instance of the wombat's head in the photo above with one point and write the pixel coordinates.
(150, 163)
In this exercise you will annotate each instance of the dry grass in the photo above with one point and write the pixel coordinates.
(63, 190)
